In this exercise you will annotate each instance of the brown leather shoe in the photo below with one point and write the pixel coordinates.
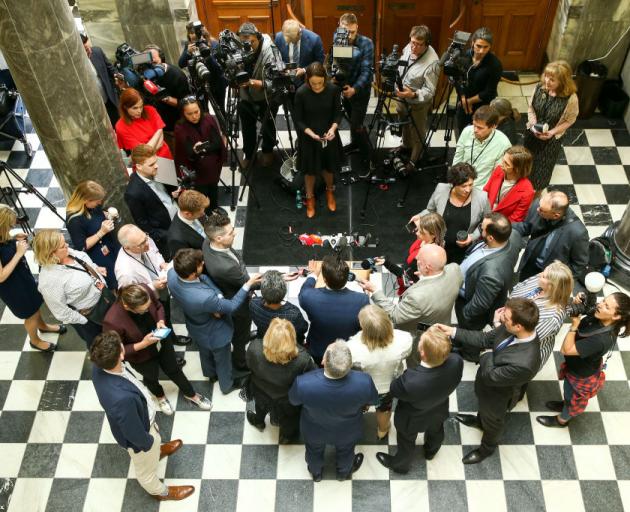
(330, 199)
(170, 448)
(176, 493)
(310, 207)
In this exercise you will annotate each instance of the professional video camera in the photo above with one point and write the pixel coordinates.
(201, 43)
(388, 65)
(186, 177)
(139, 71)
(342, 53)
(454, 60)
(280, 75)
(234, 55)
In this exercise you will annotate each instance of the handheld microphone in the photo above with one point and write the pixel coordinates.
(112, 214)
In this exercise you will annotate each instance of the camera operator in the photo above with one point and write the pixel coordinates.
(300, 46)
(198, 36)
(200, 147)
(356, 92)
(482, 77)
(253, 104)
(420, 76)
(587, 342)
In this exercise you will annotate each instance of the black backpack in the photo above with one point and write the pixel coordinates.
(599, 254)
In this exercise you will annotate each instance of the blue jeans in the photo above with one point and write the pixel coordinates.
(568, 394)
(217, 363)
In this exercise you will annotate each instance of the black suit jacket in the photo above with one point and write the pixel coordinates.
(181, 236)
(148, 212)
(569, 244)
(502, 373)
(105, 72)
(487, 284)
(423, 394)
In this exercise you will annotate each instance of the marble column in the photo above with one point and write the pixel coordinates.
(619, 237)
(52, 73)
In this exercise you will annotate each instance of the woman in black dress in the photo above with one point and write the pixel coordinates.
(18, 289)
(317, 114)
(90, 228)
(554, 103)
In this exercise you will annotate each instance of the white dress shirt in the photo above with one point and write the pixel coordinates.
(162, 194)
(131, 269)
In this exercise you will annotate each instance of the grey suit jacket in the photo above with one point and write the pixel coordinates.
(227, 273)
(429, 300)
(478, 208)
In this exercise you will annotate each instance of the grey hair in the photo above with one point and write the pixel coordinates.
(337, 359)
(483, 33)
(124, 232)
(272, 287)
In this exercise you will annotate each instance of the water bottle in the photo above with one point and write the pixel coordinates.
(298, 199)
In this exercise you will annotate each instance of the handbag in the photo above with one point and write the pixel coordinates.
(100, 309)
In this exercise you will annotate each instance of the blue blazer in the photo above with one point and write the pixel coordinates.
(332, 409)
(126, 410)
(199, 300)
(311, 48)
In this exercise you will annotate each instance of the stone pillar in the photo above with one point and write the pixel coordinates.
(619, 237)
(52, 73)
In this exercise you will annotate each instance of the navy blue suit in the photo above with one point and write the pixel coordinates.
(311, 49)
(332, 413)
(125, 408)
(333, 314)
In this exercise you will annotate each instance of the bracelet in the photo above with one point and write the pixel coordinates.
(573, 330)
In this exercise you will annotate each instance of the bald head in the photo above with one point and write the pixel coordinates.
(431, 259)
(553, 205)
(291, 31)
(132, 238)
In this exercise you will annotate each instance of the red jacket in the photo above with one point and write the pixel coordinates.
(516, 202)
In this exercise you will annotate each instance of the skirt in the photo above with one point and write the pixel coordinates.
(312, 158)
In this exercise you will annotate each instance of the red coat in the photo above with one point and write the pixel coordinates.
(516, 202)
(140, 131)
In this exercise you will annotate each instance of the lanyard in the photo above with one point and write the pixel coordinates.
(472, 147)
(98, 281)
(150, 269)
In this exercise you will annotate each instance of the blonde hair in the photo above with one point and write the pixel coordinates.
(435, 345)
(45, 243)
(7, 220)
(377, 330)
(279, 344)
(561, 71)
(560, 280)
(85, 191)
(521, 160)
(433, 224)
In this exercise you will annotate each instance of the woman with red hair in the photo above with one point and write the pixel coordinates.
(139, 124)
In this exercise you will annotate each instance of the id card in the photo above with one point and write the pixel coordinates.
(104, 250)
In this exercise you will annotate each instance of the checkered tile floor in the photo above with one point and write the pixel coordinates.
(57, 452)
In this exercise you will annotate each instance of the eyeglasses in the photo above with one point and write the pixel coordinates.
(187, 100)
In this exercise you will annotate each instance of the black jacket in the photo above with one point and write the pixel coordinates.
(423, 394)
(105, 71)
(569, 244)
(483, 79)
(181, 236)
(487, 284)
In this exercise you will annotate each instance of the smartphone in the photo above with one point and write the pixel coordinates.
(162, 333)
(423, 327)
(411, 227)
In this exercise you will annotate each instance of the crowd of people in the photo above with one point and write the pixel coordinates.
(315, 369)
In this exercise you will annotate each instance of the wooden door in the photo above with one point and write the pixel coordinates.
(218, 15)
(521, 29)
(326, 14)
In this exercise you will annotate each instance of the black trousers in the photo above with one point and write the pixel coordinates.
(356, 108)
(250, 113)
(406, 440)
(344, 455)
(288, 415)
(492, 422)
(150, 371)
(242, 327)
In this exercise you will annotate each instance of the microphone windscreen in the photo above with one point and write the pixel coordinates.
(365, 265)
(351, 276)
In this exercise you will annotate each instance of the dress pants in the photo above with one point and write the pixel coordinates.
(242, 328)
(356, 109)
(146, 464)
(150, 371)
(406, 440)
(492, 423)
(288, 415)
(88, 331)
(410, 138)
(216, 362)
(250, 113)
(315, 457)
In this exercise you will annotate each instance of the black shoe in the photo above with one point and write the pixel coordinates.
(469, 420)
(251, 419)
(356, 464)
(430, 455)
(287, 439)
(551, 421)
(182, 340)
(62, 330)
(317, 477)
(51, 347)
(474, 457)
(555, 405)
(386, 460)
(181, 362)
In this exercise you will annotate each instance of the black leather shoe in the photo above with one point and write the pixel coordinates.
(551, 421)
(356, 464)
(182, 340)
(62, 330)
(386, 460)
(317, 477)
(474, 457)
(430, 455)
(181, 362)
(555, 405)
(469, 420)
(251, 419)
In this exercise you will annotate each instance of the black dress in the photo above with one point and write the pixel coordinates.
(19, 291)
(456, 218)
(317, 111)
(105, 251)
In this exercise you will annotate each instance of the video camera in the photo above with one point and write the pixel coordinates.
(280, 75)
(233, 55)
(388, 65)
(186, 177)
(139, 71)
(454, 60)
(342, 53)
(201, 43)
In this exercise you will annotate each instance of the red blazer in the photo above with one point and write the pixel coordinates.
(515, 203)
(117, 319)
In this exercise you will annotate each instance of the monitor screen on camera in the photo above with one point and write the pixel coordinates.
(141, 58)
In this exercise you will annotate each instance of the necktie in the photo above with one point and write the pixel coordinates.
(506, 342)
(198, 228)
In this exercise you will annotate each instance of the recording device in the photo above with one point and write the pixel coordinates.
(461, 235)
(594, 282)
(401, 165)
(541, 127)
(369, 264)
(454, 61)
(342, 53)
(411, 227)
(201, 43)
(390, 78)
(234, 55)
(423, 327)
(139, 71)
(353, 240)
(280, 76)
(203, 148)
(186, 177)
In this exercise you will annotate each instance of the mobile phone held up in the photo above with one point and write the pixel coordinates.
(162, 333)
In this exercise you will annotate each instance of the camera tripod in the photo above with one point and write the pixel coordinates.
(10, 195)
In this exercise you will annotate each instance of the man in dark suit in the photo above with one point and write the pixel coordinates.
(422, 394)
(333, 400)
(186, 230)
(509, 358)
(227, 270)
(105, 77)
(555, 233)
(130, 411)
(150, 202)
(299, 45)
(332, 310)
(488, 270)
